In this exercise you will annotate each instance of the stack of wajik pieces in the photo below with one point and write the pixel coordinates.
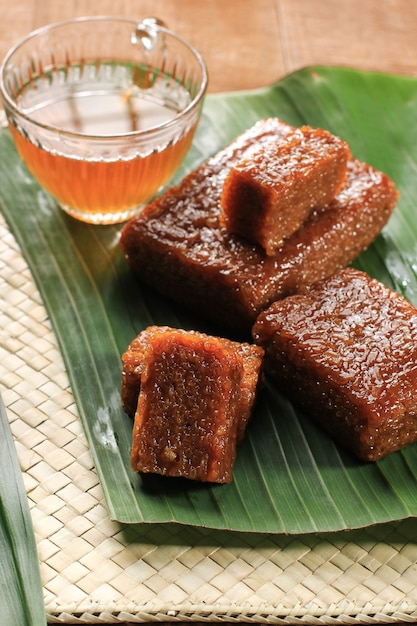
(185, 243)
(257, 238)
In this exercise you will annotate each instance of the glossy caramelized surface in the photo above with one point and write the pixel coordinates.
(267, 196)
(347, 350)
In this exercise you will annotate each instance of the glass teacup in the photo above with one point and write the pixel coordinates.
(103, 111)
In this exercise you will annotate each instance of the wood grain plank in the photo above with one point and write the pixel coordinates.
(366, 34)
(240, 43)
(16, 19)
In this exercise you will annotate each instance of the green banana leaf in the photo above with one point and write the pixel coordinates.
(289, 475)
(21, 598)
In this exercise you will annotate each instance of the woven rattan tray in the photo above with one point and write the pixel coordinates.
(97, 571)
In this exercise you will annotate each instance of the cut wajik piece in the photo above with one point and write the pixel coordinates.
(195, 399)
(268, 195)
(133, 361)
(346, 352)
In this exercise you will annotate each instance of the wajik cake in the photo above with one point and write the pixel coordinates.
(346, 352)
(180, 246)
(268, 195)
(194, 396)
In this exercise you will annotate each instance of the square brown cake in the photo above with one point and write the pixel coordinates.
(268, 195)
(346, 352)
(194, 396)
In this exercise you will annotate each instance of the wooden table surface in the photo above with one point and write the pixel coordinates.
(252, 43)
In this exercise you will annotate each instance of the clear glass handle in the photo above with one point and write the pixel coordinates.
(146, 32)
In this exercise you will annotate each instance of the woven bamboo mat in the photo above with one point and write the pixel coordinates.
(97, 571)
